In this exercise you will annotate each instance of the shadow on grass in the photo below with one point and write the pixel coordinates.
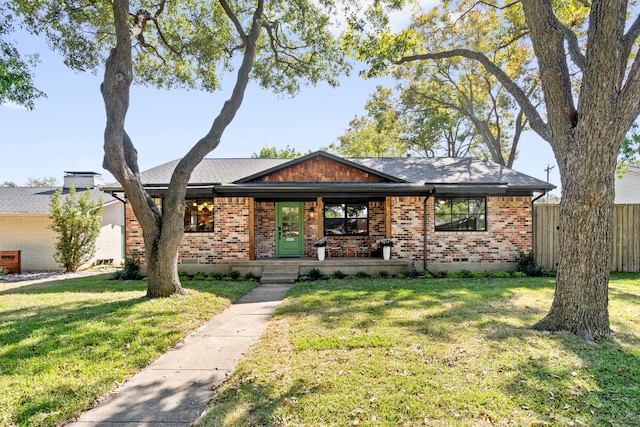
(555, 379)
(56, 338)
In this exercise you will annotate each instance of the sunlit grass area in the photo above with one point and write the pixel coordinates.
(450, 352)
(65, 344)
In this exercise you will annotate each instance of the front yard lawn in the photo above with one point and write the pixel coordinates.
(65, 344)
(449, 352)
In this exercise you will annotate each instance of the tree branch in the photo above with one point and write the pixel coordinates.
(573, 44)
(536, 121)
(232, 16)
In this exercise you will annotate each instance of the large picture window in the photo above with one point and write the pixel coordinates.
(198, 215)
(461, 214)
(346, 219)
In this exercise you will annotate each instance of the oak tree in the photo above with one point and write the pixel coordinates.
(16, 81)
(590, 79)
(183, 44)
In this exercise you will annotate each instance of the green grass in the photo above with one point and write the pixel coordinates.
(450, 352)
(65, 344)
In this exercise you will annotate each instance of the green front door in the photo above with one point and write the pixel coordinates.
(289, 229)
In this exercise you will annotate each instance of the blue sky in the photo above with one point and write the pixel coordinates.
(65, 131)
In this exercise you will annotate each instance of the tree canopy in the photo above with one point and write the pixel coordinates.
(184, 44)
(16, 80)
(586, 55)
(277, 153)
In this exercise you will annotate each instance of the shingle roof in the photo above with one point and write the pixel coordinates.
(449, 170)
(212, 170)
(414, 170)
(35, 200)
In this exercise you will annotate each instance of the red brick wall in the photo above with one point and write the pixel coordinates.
(229, 241)
(509, 224)
(509, 231)
(407, 228)
(320, 170)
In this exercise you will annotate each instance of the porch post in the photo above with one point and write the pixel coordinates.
(387, 217)
(320, 217)
(252, 231)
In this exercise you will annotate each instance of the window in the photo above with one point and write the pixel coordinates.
(198, 215)
(460, 214)
(346, 219)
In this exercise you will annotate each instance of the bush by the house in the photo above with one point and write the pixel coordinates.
(130, 270)
(76, 221)
(528, 265)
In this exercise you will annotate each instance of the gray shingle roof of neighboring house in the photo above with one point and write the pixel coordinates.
(445, 172)
(628, 187)
(35, 200)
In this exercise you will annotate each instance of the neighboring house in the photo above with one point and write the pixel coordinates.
(441, 213)
(628, 187)
(25, 222)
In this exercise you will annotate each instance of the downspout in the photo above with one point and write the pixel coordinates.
(424, 234)
(539, 197)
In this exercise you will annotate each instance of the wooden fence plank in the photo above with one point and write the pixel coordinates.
(625, 245)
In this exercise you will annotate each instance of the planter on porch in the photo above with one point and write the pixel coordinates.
(386, 252)
(321, 252)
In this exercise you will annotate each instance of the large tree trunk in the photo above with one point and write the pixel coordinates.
(580, 303)
(162, 270)
(162, 231)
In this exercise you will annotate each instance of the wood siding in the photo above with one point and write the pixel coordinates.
(320, 170)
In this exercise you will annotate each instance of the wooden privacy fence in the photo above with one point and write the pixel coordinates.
(625, 247)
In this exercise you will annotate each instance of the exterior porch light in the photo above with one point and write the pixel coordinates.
(312, 212)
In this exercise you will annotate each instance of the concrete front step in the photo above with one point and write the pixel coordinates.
(279, 274)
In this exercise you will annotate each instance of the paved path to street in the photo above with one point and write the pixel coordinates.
(174, 390)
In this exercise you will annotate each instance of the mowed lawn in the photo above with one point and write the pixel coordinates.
(434, 352)
(65, 344)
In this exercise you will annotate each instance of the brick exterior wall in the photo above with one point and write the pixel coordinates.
(320, 170)
(509, 231)
(31, 235)
(229, 240)
(407, 228)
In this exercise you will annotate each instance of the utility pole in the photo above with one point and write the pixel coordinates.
(547, 170)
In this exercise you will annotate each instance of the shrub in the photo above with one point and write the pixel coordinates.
(339, 274)
(362, 275)
(315, 274)
(250, 276)
(465, 274)
(527, 264)
(383, 274)
(199, 276)
(130, 270)
(76, 221)
(443, 274)
(235, 274)
(3, 272)
(216, 275)
(502, 274)
(425, 274)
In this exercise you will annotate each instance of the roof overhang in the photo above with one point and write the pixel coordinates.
(309, 191)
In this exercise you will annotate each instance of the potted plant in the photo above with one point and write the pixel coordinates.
(386, 248)
(322, 247)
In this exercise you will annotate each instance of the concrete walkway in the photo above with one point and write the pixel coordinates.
(174, 390)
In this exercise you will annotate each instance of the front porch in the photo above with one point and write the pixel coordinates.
(302, 266)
